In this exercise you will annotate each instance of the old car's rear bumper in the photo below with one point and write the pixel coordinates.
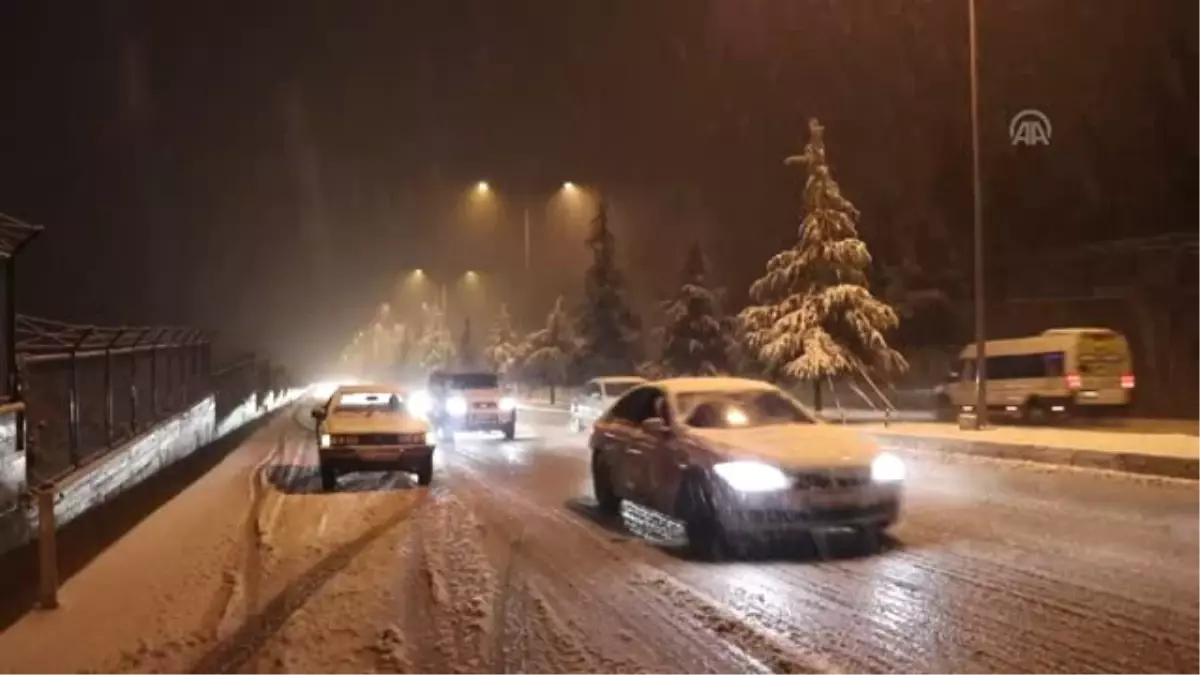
(873, 505)
(376, 457)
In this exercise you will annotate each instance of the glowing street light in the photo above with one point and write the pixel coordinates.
(482, 187)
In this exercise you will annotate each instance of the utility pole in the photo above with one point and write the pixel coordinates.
(981, 409)
(527, 236)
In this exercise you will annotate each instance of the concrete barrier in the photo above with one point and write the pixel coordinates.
(1126, 462)
(122, 468)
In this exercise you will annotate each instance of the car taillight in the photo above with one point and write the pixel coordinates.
(1074, 381)
(1127, 381)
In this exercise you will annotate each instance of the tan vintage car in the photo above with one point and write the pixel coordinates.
(370, 428)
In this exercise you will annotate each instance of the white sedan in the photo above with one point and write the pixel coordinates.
(732, 457)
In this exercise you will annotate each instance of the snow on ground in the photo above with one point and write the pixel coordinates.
(504, 566)
(1167, 445)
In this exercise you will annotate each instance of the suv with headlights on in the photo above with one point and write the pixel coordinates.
(370, 428)
(732, 457)
(470, 401)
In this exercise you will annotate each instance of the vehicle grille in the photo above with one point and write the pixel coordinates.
(830, 480)
(391, 439)
(483, 405)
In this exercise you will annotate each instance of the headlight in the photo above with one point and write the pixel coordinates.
(457, 406)
(326, 441)
(508, 404)
(419, 404)
(752, 476)
(887, 468)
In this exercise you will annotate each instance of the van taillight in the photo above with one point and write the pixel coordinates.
(1127, 381)
(1074, 381)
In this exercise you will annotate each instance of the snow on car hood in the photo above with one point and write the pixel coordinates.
(792, 446)
(374, 423)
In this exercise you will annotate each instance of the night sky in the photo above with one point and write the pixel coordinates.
(269, 168)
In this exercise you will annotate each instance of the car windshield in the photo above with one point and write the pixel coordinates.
(368, 402)
(474, 381)
(737, 409)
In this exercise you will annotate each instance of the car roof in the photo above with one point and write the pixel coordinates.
(619, 378)
(685, 385)
(369, 389)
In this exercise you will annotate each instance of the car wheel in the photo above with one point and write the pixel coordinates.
(606, 496)
(945, 411)
(425, 472)
(1033, 412)
(510, 430)
(706, 537)
(870, 537)
(328, 478)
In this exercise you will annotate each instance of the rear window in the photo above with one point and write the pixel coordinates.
(1103, 354)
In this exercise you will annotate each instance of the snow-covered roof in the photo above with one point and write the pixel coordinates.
(682, 385)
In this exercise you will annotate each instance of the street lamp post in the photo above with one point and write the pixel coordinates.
(981, 408)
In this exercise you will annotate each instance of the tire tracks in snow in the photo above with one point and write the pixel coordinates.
(240, 634)
(583, 588)
(238, 648)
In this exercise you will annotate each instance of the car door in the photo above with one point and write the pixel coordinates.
(643, 452)
(665, 461)
(614, 436)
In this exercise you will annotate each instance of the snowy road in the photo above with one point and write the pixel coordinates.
(502, 567)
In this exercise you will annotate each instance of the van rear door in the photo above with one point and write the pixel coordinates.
(1105, 368)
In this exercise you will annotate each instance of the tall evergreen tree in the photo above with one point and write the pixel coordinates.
(607, 328)
(503, 343)
(466, 347)
(814, 316)
(436, 345)
(696, 337)
(548, 352)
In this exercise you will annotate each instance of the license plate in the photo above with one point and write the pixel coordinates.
(831, 500)
(379, 453)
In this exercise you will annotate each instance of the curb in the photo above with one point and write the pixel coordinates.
(1124, 462)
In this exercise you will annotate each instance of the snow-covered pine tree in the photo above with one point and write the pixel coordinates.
(466, 346)
(813, 316)
(436, 345)
(549, 351)
(608, 330)
(503, 344)
(696, 337)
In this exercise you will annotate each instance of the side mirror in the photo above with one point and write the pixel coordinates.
(656, 426)
(318, 413)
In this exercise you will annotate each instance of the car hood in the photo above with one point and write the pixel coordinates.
(375, 423)
(792, 446)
